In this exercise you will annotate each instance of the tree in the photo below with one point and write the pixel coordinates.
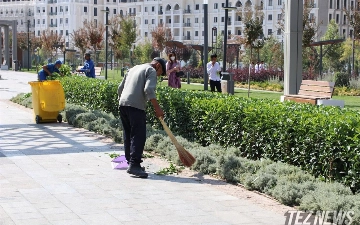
(80, 40)
(48, 40)
(160, 35)
(143, 52)
(194, 60)
(253, 30)
(333, 52)
(122, 35)
(231, 53)
(272, 53)
(94, 34)
(186, 54)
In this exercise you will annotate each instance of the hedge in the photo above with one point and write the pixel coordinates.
(288, 184)
(322, 140)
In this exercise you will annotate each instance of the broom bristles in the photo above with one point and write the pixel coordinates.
(185, 157)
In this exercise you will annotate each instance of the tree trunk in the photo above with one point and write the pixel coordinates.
(249, 72)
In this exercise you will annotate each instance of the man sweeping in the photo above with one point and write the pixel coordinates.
(138, 87)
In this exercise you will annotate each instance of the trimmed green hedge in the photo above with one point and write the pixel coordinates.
(322, 140)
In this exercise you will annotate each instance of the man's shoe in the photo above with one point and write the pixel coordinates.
(137, 171)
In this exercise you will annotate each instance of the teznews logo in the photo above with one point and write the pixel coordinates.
(294, 217)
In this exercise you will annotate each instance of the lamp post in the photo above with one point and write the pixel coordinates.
(227, 8)
(106, 38)
(28, 43)
(206, 44)
(37, 51)
(214, 33)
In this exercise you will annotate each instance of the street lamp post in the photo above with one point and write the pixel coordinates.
(206, 44)
(28, 43)
(106, 38)
(214, 33)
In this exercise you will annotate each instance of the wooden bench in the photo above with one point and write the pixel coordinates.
(311, 91)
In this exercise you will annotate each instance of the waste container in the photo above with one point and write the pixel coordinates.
(15, 65)
(48, 98)
(227, 83)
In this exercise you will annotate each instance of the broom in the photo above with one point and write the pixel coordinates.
(186, 158)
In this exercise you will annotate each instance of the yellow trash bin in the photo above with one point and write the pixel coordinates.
(48, 98)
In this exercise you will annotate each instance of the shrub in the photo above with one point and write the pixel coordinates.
(342, 79)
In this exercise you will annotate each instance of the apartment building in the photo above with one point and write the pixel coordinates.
(185, 18)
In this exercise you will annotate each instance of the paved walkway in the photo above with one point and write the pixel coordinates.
(57, 174)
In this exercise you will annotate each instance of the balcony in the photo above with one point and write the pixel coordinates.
(132, 14)
(187, 11)
(52, 1)
(176, 11)
(160, 12)
(52, 13)
(238, 23)
(176, 24)
(187, 24)
(188, 38)
(53, 25)
(167, 12)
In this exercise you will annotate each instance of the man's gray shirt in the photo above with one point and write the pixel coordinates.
(138, 86)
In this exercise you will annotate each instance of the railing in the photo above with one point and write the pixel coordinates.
(53, 25)
(132, 14)
(187, 38)
(187, 24)
(176, 24)
(176, 11)
(167, 12)
(187, 11)
(238, 22)
(52, 13)
(160, 12)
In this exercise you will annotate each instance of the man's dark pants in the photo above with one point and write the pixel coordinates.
(134, 125)
(214, 84)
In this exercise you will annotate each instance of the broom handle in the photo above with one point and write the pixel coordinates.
(168, 131)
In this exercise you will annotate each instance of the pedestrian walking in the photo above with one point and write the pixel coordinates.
(213, 69)
(138, 87)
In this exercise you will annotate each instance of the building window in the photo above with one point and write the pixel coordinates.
(270, 3)
(239, 32)
(269, 31)
(222, 32)
(61, 20)
(215, 19)
(223, 5)
(66, 20)
(222, 19)
(38, 21)
(67, 33)
(85, 9)
(344, 19)
(270, 17)
(146, 34)
(145, 10)
(95, 2)
(279, 2)
(196, 33)
(337, 4)
(215, 6)
(279, 31)
(146, 21)
(337, 18)
(330, 17)
(37, 9)
(43, 9)
(279, 16)
(61, 32)
(196, 20)
(95, 11)
(351, 33)
(43, 21)
(114, 11)
(153, 9)
(153, 21)
(38, 33)
(95, 22)
(239, 18)
(330, 3)
(197, 7)
(66, 9)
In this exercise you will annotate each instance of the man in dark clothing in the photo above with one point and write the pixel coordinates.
(138, 87)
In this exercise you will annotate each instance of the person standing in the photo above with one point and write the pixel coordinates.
(257, 67)
(173, 66)
(49, 69)
(138, 87)
(88, 68)
(213, 69)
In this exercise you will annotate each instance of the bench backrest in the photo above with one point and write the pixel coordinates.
(314, 88)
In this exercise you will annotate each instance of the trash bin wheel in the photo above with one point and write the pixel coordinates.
(59, 118)
(37, 119)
